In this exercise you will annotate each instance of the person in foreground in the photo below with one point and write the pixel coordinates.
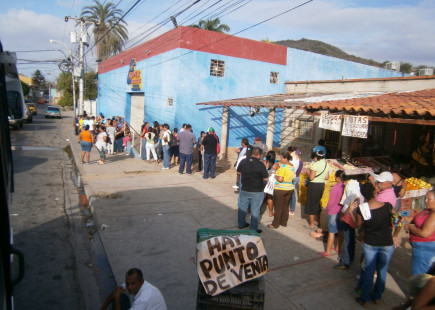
(378, 244)
(135, 294)
(253, 175)
(422, 236)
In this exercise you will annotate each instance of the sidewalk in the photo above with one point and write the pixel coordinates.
(153, 215)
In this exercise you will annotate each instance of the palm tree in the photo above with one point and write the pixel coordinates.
(105, 16)
(212, 25)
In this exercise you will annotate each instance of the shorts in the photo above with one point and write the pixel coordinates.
(86, 146)
(333, 223)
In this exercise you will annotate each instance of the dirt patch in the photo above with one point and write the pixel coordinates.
(109, 196)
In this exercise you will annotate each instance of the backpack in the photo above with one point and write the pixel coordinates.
(172, 141)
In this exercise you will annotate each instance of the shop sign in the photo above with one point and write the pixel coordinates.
(355, 126)
(330, 122)
(134, 78)
(224, 262)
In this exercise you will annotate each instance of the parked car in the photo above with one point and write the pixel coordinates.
(32, 107)
(52, 111)
(41, 101)
(28, 116)
(15, 99)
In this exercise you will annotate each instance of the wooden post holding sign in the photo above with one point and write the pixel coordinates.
(224, 262)
(355, 126)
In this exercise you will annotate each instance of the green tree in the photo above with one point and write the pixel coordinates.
(40, 79)
(405, 67)
(212, 25)
(91, 85)
(266, 40)
(106, 15)
(64, 86)
(26, 88)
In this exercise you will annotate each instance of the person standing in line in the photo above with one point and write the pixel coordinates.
(422, 236)
(210, 143)
(111, 131)
(101, 144)
(283, 191)
(187, 141)
(135, 293)
(319, 173)
(144, 141)
(174, 151)
(150, 136)
(200, 151)
(243, 152)
(321, 147)
(253, 176)
(261, 145)
(166, 136)
(298, 165)
(86, 139)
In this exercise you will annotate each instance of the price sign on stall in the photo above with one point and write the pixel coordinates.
(355, 126)
(330, 122)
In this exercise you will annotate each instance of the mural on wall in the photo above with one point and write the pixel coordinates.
(134, 78)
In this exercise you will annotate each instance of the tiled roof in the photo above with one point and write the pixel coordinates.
(417, 104)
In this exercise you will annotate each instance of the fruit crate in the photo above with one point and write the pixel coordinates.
(206, 233)
(246, 296)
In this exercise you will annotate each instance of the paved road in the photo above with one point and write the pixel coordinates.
(40, 225)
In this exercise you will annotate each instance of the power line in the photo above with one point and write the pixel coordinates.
(234, 34)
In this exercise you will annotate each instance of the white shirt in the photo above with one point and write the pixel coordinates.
(148, 298)
(111, 131)
(166, 135)
(100, 141)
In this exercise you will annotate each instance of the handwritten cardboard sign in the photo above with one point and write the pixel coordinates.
(355, 126)
(330, 122)
(224, 262)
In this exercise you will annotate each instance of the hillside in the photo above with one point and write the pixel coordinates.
(323, 48)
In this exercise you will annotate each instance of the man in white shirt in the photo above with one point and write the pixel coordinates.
(166, 136)
(135, 294)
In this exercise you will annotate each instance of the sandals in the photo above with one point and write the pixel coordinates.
(324, 254)
(363, 303)
(271, 226)
(310, 228)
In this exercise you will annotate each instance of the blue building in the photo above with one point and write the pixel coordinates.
(163, 79)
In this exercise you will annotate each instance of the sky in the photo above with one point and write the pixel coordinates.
(393, 30)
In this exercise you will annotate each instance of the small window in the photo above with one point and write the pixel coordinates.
(217, 68)
(304, 127)
(170, 102)
(274, 77)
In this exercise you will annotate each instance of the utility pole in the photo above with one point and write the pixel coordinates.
(83, 22)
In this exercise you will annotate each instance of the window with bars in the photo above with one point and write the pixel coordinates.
(170, 102)
(274, 77)
(304, 127)
(217, 68)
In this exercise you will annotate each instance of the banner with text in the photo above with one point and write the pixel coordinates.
(330, 122)
(224, 262)
(355, 126)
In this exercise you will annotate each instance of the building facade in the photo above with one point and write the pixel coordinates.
(163, 79)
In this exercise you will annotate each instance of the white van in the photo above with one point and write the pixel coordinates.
(14, 93)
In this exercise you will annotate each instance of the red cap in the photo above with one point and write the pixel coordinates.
(257, 139)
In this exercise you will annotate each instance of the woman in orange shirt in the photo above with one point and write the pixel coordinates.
(86, 139)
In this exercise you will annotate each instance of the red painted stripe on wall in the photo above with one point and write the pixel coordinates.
(201, 40)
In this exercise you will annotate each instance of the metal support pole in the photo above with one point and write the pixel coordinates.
(81, 90)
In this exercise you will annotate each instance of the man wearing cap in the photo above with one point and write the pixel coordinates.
(210, 143)
(261, 145)
(384, 183)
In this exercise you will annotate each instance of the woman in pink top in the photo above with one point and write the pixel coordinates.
(422, 236)
(333, 210)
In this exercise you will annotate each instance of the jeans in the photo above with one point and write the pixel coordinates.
(349, 243)
(143, 152)
(185, 159)
(166, 156)
(294, 199)
(209, 165)
(377, 258)
(253, 200)
(199, 160)
(423, 256)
